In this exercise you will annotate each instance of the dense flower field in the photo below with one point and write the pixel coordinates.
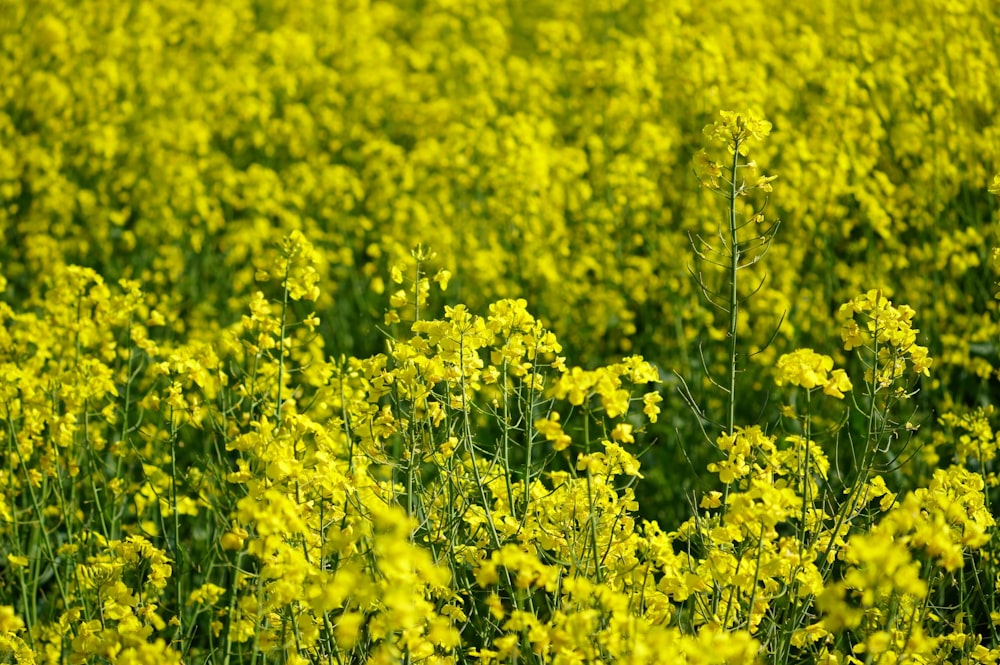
(484, 332)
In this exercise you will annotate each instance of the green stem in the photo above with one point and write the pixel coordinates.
(734, 306)
(734, 303)
(281, 345)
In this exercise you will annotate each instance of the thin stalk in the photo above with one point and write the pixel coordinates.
(281, 345)
(529, 430)
(118, 506)
(734, 307)
(807, 434)
(734, 303)
(593, 530)
(178, 550)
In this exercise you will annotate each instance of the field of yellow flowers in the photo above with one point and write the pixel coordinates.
(467, 331)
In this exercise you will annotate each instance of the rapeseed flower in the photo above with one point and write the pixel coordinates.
(196, 464)
(808, 369)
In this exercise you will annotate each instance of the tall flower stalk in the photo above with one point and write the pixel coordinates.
(743, 240)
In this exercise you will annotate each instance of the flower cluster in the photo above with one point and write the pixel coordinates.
(807, 369)
(870, 321)
(738, 131)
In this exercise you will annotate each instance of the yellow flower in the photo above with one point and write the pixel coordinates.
(10, 622)
(233, 540)
(711, 500)
(497, 610)
(442, 278)
(553, 431)
(737, 130)
(651, 407)
(347, 629)
(708, 170)
(838, 384)
(206, 594)
(804, 368)
(623, 433)
(17, 562)
(398, 299)
(808, 369)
